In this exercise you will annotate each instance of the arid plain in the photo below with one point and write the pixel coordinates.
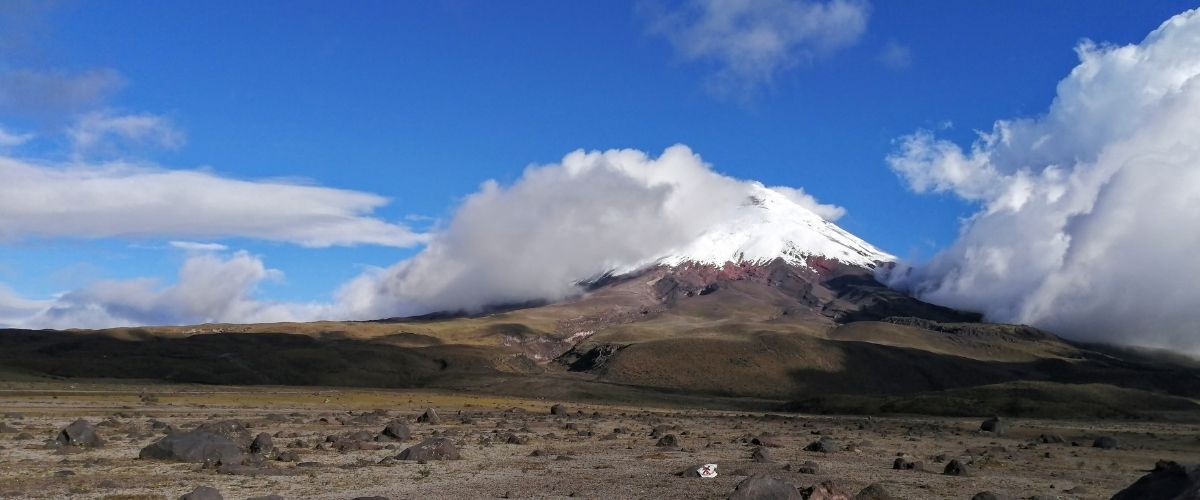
(329, 443)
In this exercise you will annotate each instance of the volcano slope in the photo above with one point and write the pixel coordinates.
(819, 337)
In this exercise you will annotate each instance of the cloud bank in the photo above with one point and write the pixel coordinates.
(117, 199)
(589, 214)
(533, 240)
(210, 288)
(751, 41)
(1090, 214)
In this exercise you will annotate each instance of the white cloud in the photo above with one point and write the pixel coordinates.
(195, 246)
(1090, 213)
(590, 213)
(751, 41)
(105, 132)
(15, 309)
(830, 213)
(209, 289)
(895, 55)
(81, 200)
(9, 139)
(53, 94)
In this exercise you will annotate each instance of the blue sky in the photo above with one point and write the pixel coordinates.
(421, 102)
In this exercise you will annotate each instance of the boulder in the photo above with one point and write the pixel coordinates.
(558, 409)
(235, 430)
(397, 430)
(987, 495)
(203, 493)
(194, 446)
(1050, 438)
(762, 487)
(670, 440)
(263, 444)
(79, 433)
(435, 448)
(1105, 443)
(1168, 481)
(956, 468)
(429, 417)
(995, 426)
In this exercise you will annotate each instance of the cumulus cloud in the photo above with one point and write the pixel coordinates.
(798, 196)
(15, 310)
(750, 41)
(1090, 213)
(210, 288)
(116, 199)
(107, 132)
(591, 213)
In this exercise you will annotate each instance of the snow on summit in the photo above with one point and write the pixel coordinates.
(769, 225)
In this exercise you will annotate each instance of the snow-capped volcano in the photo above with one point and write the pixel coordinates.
(771, 225)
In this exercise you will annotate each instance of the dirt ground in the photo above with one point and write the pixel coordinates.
(579, 454)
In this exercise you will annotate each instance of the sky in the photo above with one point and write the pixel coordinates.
(302, 147)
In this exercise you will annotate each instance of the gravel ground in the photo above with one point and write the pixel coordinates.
(579, 454)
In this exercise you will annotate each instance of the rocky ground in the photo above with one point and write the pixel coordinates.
(322, 443)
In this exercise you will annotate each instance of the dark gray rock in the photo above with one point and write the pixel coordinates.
(436, 448)
(670, 440)
(762, 487)
(995, 426)
(956, 468)
(263, 444)
(558, 409)
(1168, 481)
(1105, 443)
(236, 431)
(902, 463)
(80, 433)
(987, 495)
(429, 417)
(397, 430)
(194, 446)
